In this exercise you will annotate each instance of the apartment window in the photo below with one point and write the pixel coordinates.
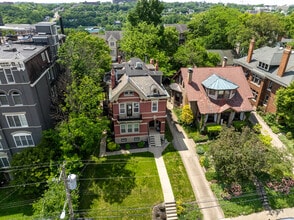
(23, 140)
(136, 107)
(112, 44)
(9, 76)
(1, 146)
(4, 162)
(50, 74)
(123, 128)
(255, 94)
(211, 92)
(154, 106)
(265, 101)
(122, 108)
(43, 56)
(3, 98)
(15, 121)
(256, 79)
(129, 128)
(270, 86)
(16, 97)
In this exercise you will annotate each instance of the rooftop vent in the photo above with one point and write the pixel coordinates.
(29, 48)
(10, 49)
(139, 66)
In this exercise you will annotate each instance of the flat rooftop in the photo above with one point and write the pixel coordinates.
(18, 51)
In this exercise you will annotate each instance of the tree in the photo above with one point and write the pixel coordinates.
(187, 115)
(285, 104)
(148, 11)
(32, 166)
(241, 156)
(192, 53)
(84, 54)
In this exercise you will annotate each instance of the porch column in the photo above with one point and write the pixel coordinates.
(231, 117)
(218, 118)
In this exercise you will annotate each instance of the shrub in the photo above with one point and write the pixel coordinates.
(289, 135)
(112, 146)
(275, 129)
(257, 128)
(270, 119)
(211, 175)
(128, 146)
(238, 125)
(200, 150)
(204, 162)
(213, 130)
(265, 139)
(141, 144)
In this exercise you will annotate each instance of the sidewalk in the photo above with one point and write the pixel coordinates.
(206, 200)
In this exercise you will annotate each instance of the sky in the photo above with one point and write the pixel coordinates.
(266, 2)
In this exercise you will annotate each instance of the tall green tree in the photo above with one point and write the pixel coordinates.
(85, 54)
(193, 53)
(241, 156)
(148, 11)
(285, 104)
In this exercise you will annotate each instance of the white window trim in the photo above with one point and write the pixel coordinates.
(132, 126)
(5, 74)
(16, 94)
(122, 106)
(22, 119)
(134, 103)
(25, 134)
(154, 102)
(4, 95)
(1, 158)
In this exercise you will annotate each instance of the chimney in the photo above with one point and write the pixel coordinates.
(152, 61)
(284, 61)
(61, 25)
(156, 65)
(112, 79)
(250, 51)
(225, 60)
(190, 73)
(119, 59)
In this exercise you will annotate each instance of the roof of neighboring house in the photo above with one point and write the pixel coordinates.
(224, 53)
(216, 82)
(196, 92)
(271, 56)
(19, 52)
(181, 28)
(115, 34)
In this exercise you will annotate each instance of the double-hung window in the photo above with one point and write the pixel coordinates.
(154, 106)
(17, 120)
(16, 98)
(23, 140)
(136, 107)
(4, 162)
(256, 79)
(129, 128)
(123, 128)
(122, 108)
(9, 76)
(3, 99)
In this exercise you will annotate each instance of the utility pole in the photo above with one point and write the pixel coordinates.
(68, 195)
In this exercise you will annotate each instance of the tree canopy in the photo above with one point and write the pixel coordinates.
(285, 104)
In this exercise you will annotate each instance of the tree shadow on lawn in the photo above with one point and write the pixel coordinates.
(108, 179)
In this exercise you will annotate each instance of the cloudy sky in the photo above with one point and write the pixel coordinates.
(268, 2)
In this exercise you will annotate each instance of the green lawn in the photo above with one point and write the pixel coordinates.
(14, 206)
(121, 187)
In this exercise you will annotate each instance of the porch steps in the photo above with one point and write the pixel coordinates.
(154, 140)
(171, 211)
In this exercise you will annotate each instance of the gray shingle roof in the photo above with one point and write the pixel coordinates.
(116, 34)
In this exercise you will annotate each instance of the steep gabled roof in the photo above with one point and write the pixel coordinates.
(115, 34)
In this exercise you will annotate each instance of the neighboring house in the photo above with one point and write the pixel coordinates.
(28, 72)
(182, 29)
(267, 69)
(137, 102)
(215, 94)
(113, 38)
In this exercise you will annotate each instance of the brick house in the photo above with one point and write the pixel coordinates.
(137, 102)
(267, 69)
(217, 95)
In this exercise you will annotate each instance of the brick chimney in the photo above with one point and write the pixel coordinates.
(225, 60)
(190, 73)
(284, 61)
(152, 61)
(119, 59)
(250, 51)
(112, 79)
(156, 65)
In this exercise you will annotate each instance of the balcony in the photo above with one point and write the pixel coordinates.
(134, 117)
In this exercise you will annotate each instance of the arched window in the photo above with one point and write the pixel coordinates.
(3, 98)
(16, 98)
(23, 139)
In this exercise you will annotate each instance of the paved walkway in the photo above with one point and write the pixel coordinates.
(206, 200)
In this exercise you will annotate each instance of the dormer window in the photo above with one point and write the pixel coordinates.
(262, 65)
(155, 91)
